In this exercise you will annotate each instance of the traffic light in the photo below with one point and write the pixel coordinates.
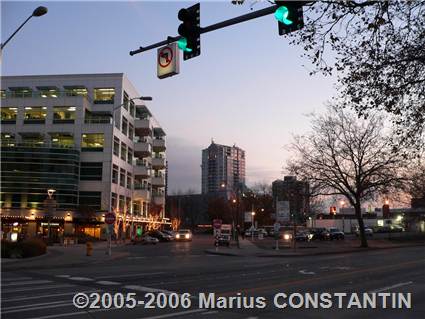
(332, 210)
(289, 15)
(189, 29)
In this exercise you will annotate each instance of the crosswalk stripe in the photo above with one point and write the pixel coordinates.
(35, 304)
(46, 296)
(130, 275)
(36, 308)
(31, 282)
(147, 289)
(37, 288)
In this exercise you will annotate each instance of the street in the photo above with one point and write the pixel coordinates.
(184, 267)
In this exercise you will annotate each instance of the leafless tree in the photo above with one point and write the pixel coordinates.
(348, 157)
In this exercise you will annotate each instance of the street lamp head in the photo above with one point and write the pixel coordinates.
(50, 192)
(234, 200)
(145, 98)
(40, 11)
(253, 213)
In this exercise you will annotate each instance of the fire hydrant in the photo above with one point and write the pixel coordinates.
(89, 248)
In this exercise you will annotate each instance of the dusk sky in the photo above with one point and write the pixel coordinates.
(248, 87)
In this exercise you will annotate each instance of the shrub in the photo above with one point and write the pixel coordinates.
(26, 248)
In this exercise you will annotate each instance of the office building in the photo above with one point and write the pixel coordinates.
(85, 137)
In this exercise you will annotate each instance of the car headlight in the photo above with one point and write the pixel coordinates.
(187, 236)
(286, 236)
(177, 236)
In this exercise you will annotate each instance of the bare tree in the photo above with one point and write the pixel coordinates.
(378, 52)
(347, 156)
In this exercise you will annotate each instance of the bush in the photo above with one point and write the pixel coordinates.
(23, 249)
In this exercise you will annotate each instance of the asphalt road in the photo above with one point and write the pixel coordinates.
(169, 268)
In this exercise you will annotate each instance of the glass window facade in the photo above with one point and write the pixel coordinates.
(8, 115)
(123, 151)
(35, 140)
(64, 114)
(35, 115)
(92, 142)
(62, 140)
(90, 199)
(115, 174)
(104, 96)
(91, 171)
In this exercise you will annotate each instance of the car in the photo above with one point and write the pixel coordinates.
(262, 231)
(170, 233)
(367, 230)
(302, 236)
(335, 233)
(396, 229)
(319, 234)
(146, 240)
(184, 235)
(159, 235)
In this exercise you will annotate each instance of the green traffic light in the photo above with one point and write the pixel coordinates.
(182, 44)
(281, 15)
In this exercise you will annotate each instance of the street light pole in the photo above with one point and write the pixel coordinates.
(38, 12)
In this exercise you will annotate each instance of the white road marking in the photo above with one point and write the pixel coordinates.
(80, 278)
(38, 288)
(46, 296)
(129, 275)
(106, 282)
(174, 314)
(36, 304)
(15, 279)
(305, 272)
(63, 276)
(336, 268)
(147, 289)
(210, 312)
(392, 287)
(30, 282)
(36, 308)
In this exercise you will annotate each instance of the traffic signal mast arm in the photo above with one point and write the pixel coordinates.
(216, 26)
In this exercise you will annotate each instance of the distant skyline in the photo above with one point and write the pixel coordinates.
(248, 87)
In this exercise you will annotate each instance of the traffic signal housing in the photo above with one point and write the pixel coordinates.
(289, 15)
(189, 29)
(332, 210)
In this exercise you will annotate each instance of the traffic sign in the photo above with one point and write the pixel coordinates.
(168, 61)
(282, 211)
(110, 218)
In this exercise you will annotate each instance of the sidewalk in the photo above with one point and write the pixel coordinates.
(65, 256)
(266, 249)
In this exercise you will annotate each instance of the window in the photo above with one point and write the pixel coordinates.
(128, 204)
(130, 132)
(90, 199)
(124, 125)
(125, 100)
(121, 204)
(35, 115)
(123, 151)
(7, 139)
(116, 146)
(33, 140)
(62, 140)
(75, 91)
(91, 171)
(130, 156)
(128, 180)
(136, 208)
(92, 142)
(49, 93)
(115, 174)
(114, 201)
(3, 94)
(122, 177)
(64, 114)
(21, 92)
(104, 96)
(8, 115)
(132, 108)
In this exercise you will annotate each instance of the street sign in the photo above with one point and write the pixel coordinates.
(110, 218)
(282, 211)
(248, 217)
(168, 61)
(217, 223)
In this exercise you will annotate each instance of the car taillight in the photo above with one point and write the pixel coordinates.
(177, 236)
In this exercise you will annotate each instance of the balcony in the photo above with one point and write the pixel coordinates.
(158, 163)
(158, 145)
(142, 194)
(158, 181)
(141, 171)
(143, 126)
(142, 149)
(159, 199)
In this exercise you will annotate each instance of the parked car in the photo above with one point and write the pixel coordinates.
(302, 236)
(184, 235)
(367, 230)
(159, 235)
(335, 233)
(146, 240)
(319, 234)
(169, 232)
(262, 231)
(388, 229)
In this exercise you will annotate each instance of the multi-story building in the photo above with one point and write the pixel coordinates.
(89, 139)
(223, 169)
(296, 193)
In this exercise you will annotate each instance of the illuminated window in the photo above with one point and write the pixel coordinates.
(62, 140)
(104, 96)
(92, 142)
(21, 92)
(64, 114)
(33, 140)
(35, 114)
(8, 115)
(7, 139)
(75, 91)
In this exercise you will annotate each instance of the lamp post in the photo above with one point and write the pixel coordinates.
(252, 225)
(38, 12)
(342, 203)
